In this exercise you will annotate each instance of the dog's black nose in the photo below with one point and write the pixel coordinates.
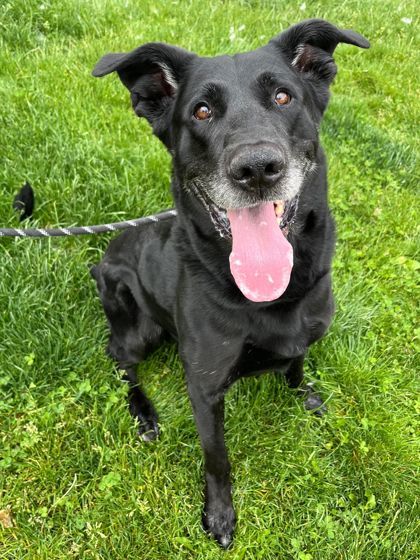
(256, 165)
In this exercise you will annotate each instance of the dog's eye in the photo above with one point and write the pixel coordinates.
(202, 112)
(282, 97)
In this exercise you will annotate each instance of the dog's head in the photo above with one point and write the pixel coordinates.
(242, 129)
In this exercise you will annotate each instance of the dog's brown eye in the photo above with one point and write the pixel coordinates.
(282, 97)
(202, 112)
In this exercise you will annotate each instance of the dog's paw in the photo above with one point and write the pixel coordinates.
(148, 429)
(312, 401)
(220, 523)
(146, 417)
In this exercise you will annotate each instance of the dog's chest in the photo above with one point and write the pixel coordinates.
(271, 345)
(273, 338)
(255, 360)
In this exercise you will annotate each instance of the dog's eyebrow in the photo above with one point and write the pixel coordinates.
(212, 90)
(268, 79)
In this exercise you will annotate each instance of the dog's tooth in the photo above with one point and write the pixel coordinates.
(279, 207)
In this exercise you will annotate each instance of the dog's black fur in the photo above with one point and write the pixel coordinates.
(173, 277)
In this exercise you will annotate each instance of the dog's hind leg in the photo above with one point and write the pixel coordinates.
(294, 377)
(141, 407)
(133, 335)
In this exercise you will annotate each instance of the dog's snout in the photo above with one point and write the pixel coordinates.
(253, 166)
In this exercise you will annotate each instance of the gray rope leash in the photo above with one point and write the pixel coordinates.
(86, 230)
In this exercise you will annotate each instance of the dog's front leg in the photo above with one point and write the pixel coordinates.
(208, 406)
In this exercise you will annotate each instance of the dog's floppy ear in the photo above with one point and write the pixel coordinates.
(152, 74)
(309, 46)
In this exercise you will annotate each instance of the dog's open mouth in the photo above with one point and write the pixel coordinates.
(284, 210)
(261, 260)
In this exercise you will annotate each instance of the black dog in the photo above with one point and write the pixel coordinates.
(241, 277)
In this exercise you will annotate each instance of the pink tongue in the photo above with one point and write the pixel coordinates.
(261, 259)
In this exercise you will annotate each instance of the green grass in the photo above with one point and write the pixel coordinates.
(77, 481)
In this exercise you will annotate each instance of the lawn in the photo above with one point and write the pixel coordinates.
(75, 480)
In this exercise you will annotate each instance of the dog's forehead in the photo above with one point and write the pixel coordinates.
(239, 68)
